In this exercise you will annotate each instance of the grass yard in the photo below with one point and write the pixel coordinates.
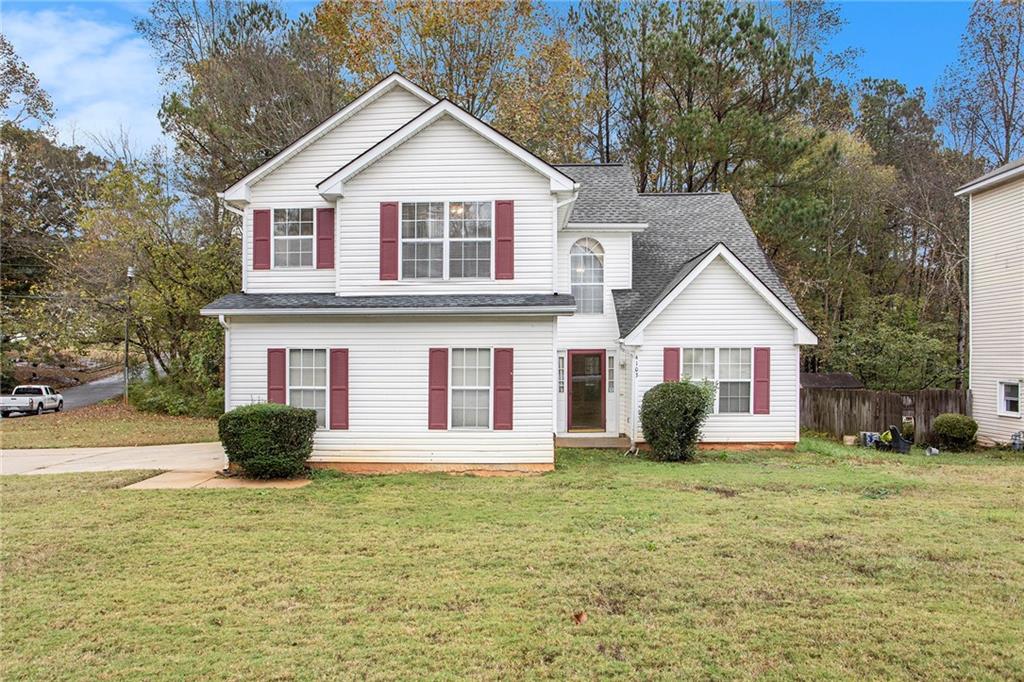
(828, 563)
(106, 424)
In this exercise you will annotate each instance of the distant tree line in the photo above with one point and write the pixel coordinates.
(848, 184)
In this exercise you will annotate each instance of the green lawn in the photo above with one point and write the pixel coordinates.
(820, 564)
(107, 424)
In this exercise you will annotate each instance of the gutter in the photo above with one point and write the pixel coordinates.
(479, 310)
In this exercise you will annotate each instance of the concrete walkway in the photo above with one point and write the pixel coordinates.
(177, 480)
(195, 457)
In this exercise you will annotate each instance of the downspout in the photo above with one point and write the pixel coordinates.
(554, 234)
(227, 369)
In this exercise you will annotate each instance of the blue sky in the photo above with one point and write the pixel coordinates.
(103, 79)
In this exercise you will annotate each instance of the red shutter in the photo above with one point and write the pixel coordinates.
(670, 369)
(762, 380)
(437, 401)
(503, 389)
(261, 239)
(276, 385)
(324, 238)
(504, 239)
(389, 240)
(339, 388)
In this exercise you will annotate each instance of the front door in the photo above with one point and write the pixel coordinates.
(586, 390)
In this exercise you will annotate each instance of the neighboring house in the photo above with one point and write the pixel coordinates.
(829, 380)
(997, 300)
(444, 298)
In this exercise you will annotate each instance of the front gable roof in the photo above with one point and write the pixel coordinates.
(240, 190)
(333, 186)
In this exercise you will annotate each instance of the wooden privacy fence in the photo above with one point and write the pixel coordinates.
(845, 411)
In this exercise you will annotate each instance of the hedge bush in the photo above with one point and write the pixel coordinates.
(671, 416)
(954, 432)
(268, 440)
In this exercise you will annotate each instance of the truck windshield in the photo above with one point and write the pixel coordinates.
(28, 390)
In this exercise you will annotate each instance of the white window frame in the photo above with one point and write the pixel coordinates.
(327, 382)
(717, 380)
(601, 258)
(273, 239)
(446, 241)
(1001, 400)
(452, 389)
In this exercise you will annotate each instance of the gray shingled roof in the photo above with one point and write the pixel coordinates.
(414, 303)
(1005, 168)
(682, 228)
(607, 194)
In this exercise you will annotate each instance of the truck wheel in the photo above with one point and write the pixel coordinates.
(5, 415)
(39, 409)
(60, 407)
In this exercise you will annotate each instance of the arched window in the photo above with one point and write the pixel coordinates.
(586, 274)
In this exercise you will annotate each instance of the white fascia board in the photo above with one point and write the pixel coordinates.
(498, 310)
(608, 227)
(803, 335)
(239, 192)
(333, 186)
(971, 188)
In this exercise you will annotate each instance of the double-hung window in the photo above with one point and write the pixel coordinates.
(731, 368)
(1008, 395)
(586, 276)
(471, 388)
(447, 240)
(307, 381)
(293, 238)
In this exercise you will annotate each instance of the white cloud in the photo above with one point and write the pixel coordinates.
(99, 72)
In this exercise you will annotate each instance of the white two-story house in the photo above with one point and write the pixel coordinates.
(445, 299)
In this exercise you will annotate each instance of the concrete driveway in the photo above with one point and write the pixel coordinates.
(205, 457)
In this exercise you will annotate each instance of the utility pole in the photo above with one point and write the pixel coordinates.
(127, 319)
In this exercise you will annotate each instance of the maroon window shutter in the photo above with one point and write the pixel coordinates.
(324, 238)
(504, 239)
(437, 401)
(762, 380)
(503, 389)
(261, 239)
(276, 385)
(389, 240)
(339, 388)
(670, 371)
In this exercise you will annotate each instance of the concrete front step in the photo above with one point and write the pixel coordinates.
(617, 442)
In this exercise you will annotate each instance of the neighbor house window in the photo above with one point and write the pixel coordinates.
(293, 238)
(447, 240)
(586, 275)
(732, 369)
(307, 381)
(1009, 398)
(471, 388)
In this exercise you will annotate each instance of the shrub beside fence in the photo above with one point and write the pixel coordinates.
(845, 411)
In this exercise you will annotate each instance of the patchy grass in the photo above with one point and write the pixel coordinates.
(107, 424)
(812, 565)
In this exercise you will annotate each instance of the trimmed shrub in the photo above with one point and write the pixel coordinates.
(268, 440)
(954, 432)
(671, 416)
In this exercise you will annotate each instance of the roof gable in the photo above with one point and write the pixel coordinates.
(240, 190)
(333, 186)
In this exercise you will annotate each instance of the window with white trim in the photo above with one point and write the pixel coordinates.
(447, 239)
(307, 381)
(586, 276)
(731, 368)
(293, 238)
(1009, 395)
(471, 388)
(698, 364)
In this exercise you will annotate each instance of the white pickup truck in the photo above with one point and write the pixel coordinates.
(31, 400)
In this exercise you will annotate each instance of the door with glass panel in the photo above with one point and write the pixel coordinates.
(586, 390)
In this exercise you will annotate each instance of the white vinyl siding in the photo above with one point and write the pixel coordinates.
(720, 310)
(388, 371)
(997, 305)
(445, 162)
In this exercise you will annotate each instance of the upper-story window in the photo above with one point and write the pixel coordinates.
(447, 240)
(293, 238)
(586, 275)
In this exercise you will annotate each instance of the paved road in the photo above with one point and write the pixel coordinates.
(93, 392)
(205, 457)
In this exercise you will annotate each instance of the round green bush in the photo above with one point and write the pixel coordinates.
(268, 440)
(671, 416)
(954, 432)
